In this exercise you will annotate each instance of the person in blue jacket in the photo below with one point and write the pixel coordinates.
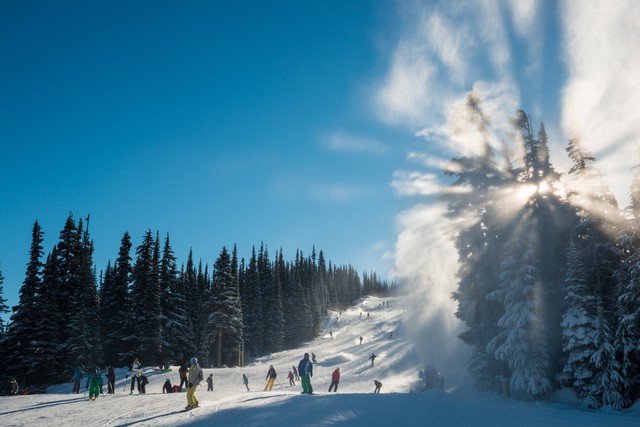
(77, 377)
(305, 370)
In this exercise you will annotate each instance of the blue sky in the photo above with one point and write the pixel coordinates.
(290, 123)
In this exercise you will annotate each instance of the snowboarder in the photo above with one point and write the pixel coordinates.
(313, 358)
(360, 340)
(245, 381)
(133, 371)
(93, 384)
(372, 358)
(111, 380)
(77, 378)
(142, 386)
(183, 374)
(210, 382)
(167, 387)
(378, 386)
(291, 377)
(305, 368)
(335, 379)
(14, 386)
(295, 373)
(271, 378)
(331, 334)
(194, 377)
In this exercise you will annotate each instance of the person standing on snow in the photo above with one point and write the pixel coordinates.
(77, 378)
(378, 386)
(210, 382)
(335, 379)
(93, 384)
(291, 381)
(194, 377)
(111, 380)
(183, 374)
(245, 381)
(372, 358)
(133, 371)
(142, 385)
(295, 373)
(271, 378)
(305, 368)
(14, 386)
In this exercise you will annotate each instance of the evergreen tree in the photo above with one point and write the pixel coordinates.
(252, 314)
(225, 311)
(3, 307)
(273, 315)
(119, 338)
(19, 361)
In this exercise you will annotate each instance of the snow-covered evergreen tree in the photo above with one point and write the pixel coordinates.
(272, 312)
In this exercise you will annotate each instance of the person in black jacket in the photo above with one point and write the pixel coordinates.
(167, 387)
(271, 378)
(111, 380)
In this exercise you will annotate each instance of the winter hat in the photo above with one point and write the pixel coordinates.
(194, 360)
(167, 380)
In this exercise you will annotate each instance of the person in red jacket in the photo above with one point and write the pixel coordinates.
(335, 379)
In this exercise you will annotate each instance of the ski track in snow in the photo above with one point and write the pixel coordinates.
(396, 366)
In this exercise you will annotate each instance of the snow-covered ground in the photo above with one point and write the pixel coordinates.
(230, 404)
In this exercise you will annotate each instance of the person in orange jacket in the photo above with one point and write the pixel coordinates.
(335, 379)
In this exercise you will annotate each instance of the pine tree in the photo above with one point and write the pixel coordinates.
(273, 315)
(3, 306)
(19, 361)
(252, 313)
(224, 310)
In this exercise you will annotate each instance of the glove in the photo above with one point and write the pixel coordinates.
(190, 385)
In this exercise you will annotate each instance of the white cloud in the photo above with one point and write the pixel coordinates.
(415, 183)
(344, 142)
(600, 101)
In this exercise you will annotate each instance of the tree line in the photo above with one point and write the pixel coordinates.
(144, 305)
(550, 293)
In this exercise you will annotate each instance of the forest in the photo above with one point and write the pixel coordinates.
(144, 305)
(549, 267)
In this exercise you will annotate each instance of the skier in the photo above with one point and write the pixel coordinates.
(194, 377)
(210, 382)
(77, 378)
(331, 334)
(271, 378)
(93, 384)
(291, 381)
(295, 373)
(305, 368)
(360, 340)
(111, 380)
(378, 386)
(372, 358)
(167, 388)
(335, 379)
(245, 381)
(183, 374)
(142, 389)
(313, 358)
(133, 371)
(14, 386)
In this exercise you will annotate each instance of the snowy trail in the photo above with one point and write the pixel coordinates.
(231, 405)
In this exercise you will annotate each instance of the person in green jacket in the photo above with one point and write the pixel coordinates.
(93, 384)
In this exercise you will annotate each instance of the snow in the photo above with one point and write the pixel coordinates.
(230, 404)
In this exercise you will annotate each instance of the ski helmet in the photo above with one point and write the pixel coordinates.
(194, 360)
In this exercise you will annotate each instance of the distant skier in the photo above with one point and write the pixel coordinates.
(378, 386)
(335, 379)
(183, 374)
(194, 377)
(210, 382)
(360, 340)
(245, 381)
(291, 377)
(142, 387)
(77, 378)
(133, 371)
(295, 373)
(93, 384)
(167, 387)
(111, 380)
(331, 334)
(14, 386)
(305, 368)
(313, 358)
(372, 358)
(270, 378)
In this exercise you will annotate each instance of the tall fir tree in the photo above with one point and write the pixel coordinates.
(273, 315)
(4, 308)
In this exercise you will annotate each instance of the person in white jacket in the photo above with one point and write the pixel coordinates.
(133, 371)
(194, 377)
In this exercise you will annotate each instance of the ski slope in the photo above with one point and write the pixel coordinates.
(230, 404)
